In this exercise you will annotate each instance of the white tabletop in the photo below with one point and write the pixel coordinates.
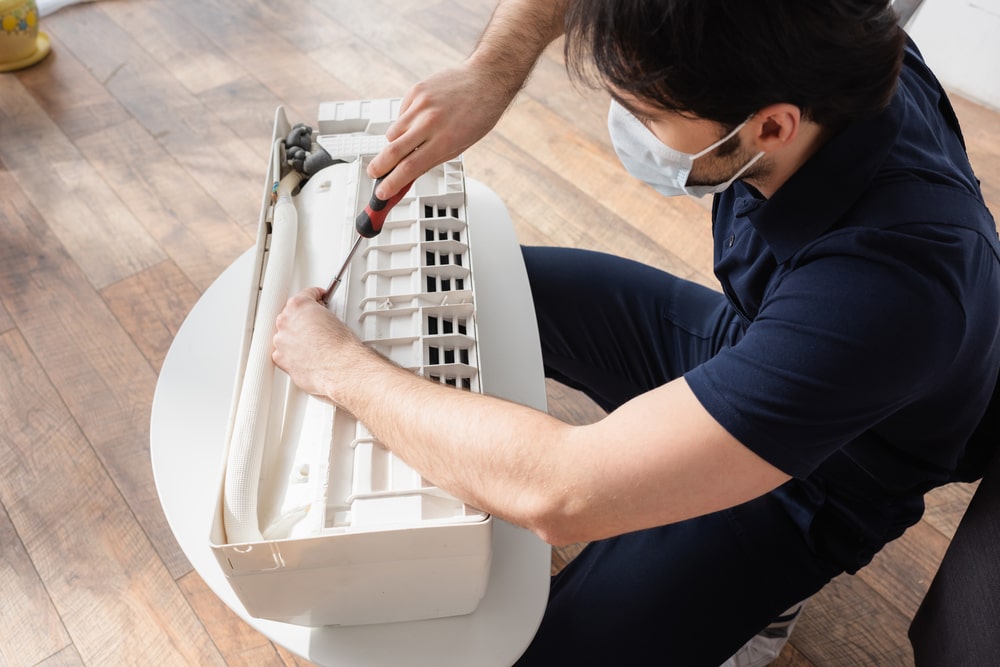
(187, 440)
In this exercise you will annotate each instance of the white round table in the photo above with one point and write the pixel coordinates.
(188, 428)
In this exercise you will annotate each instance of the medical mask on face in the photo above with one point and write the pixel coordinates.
(650, 160)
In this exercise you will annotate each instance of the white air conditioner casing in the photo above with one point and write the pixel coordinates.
(345, 533)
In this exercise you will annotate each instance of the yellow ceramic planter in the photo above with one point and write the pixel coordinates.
(21, 43)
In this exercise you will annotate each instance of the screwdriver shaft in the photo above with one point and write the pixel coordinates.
(328, 294)
(368, 224)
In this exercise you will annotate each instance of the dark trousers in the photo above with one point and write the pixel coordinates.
(686, 594)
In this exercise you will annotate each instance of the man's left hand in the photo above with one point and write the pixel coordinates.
(311, 342)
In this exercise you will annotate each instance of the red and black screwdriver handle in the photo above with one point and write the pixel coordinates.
(369, 222)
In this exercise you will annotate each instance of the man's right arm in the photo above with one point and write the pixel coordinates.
(447, 113)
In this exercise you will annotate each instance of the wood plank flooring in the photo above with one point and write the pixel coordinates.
(131, 167)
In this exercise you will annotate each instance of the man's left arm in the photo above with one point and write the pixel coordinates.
(658, 459)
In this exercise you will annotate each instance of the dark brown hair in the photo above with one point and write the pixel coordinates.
(837, 60)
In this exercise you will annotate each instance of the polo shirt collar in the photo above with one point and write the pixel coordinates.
(825, 187)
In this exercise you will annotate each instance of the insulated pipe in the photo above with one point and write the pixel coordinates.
(246, 446)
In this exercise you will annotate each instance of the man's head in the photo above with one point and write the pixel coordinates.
(694, 71)
(722, 60)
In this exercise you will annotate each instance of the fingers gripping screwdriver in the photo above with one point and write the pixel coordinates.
(368, 225)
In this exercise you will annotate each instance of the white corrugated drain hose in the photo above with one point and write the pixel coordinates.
(246, 446)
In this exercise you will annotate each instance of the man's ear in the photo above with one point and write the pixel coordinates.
(776, 125)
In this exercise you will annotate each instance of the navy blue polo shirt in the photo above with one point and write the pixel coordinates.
(869, 289)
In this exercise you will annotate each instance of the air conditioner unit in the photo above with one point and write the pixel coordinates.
(316, 523)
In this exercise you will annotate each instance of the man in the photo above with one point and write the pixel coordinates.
(760, 442)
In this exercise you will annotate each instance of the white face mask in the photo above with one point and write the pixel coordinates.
(650, 160)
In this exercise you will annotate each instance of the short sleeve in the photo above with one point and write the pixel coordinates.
(841, 341)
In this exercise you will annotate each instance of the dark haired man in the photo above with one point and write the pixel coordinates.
(765, 439)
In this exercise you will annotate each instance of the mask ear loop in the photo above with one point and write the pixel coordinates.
(699, 190)
(724, 139)
(747, 166)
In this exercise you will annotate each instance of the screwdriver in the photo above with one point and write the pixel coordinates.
(368, 225)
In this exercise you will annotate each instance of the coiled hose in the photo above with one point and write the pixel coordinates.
(246, 447)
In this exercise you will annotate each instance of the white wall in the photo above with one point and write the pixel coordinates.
(960, 40)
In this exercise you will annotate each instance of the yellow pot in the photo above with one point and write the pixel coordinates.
(21, 43)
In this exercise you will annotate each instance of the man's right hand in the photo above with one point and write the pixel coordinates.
(439, 118)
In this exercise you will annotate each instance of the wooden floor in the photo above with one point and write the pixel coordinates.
(131, 167)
